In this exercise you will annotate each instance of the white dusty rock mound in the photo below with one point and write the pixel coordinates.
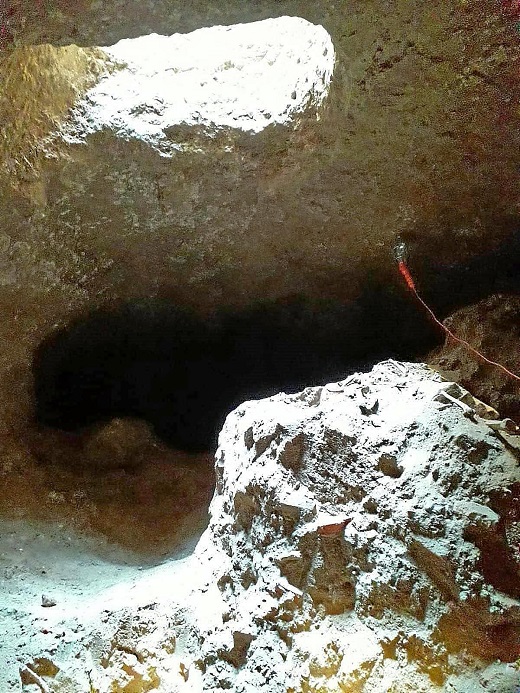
(364, 537)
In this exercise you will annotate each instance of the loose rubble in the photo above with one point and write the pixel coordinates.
(364, 536)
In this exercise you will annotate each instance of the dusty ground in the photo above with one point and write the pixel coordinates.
(90, 582)
(83, 523)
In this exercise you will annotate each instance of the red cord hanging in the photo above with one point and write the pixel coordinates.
(405, 272)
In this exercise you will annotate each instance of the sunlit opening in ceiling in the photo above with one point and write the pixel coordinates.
(245, 76)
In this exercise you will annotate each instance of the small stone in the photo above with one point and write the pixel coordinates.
(388, 465)
(333, 528)
(238, 654)
(48, 601)
(44, 666)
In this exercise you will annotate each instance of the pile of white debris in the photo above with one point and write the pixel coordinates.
(364, 536)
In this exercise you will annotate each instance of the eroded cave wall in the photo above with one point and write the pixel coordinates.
(419, 137)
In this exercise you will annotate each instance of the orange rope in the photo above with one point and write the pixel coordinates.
(405, 272)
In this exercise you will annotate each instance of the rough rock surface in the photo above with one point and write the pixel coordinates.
(418, 135)
(491, 326)
(247, 76)
(364, 537)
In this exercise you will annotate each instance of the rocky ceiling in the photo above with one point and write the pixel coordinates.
(417, 140)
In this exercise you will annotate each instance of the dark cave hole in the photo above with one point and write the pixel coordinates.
(450, 287)
(183, 373)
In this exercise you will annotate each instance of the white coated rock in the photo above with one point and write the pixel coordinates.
(355, 534)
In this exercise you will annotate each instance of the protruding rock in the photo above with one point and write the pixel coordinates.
(408, 522)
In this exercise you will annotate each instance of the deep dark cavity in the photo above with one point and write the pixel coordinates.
(183, 374)
(447, 287)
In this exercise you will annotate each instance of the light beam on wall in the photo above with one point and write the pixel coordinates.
(245, 76)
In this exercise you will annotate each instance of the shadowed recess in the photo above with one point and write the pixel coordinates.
(491, 270)
(183, 373)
